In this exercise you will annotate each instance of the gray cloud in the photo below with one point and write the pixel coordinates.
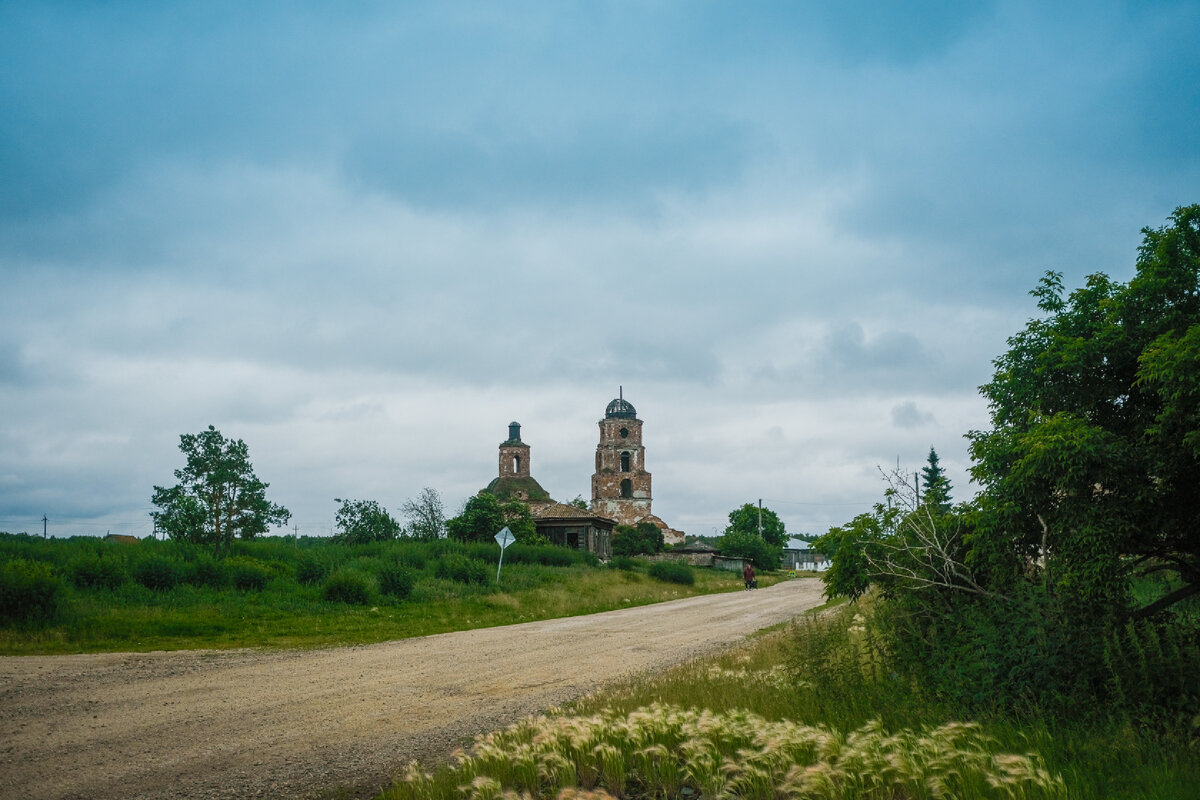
(907, 415)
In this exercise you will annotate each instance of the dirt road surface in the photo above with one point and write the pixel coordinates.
(300, 724)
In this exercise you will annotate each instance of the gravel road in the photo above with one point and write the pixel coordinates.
(343, 721)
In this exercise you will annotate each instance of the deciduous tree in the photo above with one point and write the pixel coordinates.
(364, 521)
(746, 520)
(1092, 465)
(426, 516)
(218, 496)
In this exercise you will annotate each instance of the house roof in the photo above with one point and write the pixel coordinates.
(562, 512)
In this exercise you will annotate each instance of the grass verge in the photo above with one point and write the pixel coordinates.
(783, 716)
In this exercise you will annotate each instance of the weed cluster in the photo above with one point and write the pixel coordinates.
(671, 751)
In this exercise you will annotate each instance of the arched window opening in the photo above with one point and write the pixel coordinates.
(624, 462)
(626, 488)
(516, 465)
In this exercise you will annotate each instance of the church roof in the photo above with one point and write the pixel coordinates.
(620, 409)
(510, 487)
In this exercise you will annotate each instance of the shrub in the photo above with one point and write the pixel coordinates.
(348, 586)
(206, 571)
(396, 581)
(625, 563)
(157, 573)
(249, 575)
(672, 572)
(411, 557)
(644, 538)
(30, 592)
(456, 567)
(310, 570)
(90, 572)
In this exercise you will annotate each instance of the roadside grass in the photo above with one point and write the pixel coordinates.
(290, 612)
(790, 713)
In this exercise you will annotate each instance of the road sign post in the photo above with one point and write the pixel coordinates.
(504, 538)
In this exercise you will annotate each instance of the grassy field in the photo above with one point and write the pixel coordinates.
(115, 597)
(796, 713)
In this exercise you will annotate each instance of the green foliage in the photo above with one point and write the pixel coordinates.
(519, 520)
(349, 586)
(746, 520)
(158, 573)
(672, 572)
(623, 563)
(30, 592)
(396, 581)
(91, 571)
(849, 574)
(643, 539)
(579, 502)
(311, 570)
(481, 519)
(206, 571)
(935, 492)
(739, 544)
(1092, 456)
(218, 496)
(248, 574)
(364, 521)
(1023, 600)
(460, 568)
(426, 516)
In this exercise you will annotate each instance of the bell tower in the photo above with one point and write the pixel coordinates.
(621, 484)
(514, 454)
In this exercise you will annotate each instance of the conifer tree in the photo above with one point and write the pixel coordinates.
(937, 485)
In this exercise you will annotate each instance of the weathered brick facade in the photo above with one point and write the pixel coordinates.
(621, 493)
(621, 484)
(514, 454)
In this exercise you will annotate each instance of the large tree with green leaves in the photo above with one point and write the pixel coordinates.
(363, 522)
(746, 520)
(1092, 464)
(484, 515)
(218, 496)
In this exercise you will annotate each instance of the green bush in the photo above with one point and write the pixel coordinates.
(311, 570)
(248, 574)
(624, 563)
(396, 581)
(91, 572)
(206, 571)
(157, 573)
(30, 592)
(456, 567)
(672, 572)
(348, 586)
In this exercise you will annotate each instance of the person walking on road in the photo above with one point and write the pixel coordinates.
(748, 576)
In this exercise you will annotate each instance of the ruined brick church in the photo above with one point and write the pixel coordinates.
(621, 486)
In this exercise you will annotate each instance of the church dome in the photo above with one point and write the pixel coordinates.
(620, 409)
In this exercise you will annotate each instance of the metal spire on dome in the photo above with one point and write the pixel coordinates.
(620, 408)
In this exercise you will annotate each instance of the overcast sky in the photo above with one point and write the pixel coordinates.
(365, 237)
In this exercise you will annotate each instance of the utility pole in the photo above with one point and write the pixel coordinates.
(760, 517)
(44, 521)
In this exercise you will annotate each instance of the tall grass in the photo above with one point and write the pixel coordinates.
(92, 595)
(806, 711)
